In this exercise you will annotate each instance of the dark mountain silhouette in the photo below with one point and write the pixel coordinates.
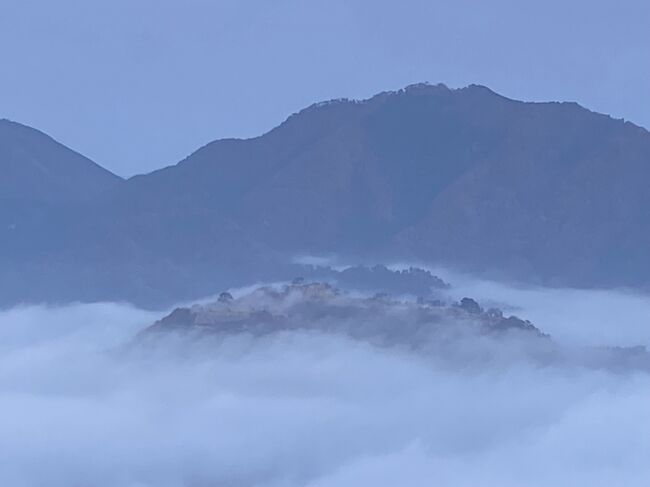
(43, 188)
(547, 192)
(37, 168)
(378, 278)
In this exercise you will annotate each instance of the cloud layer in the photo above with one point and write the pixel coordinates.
(83, 406)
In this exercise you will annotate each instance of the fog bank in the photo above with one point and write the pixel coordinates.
(605, 317)
(83, 405)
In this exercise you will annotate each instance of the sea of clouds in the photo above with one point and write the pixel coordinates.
(82, 404)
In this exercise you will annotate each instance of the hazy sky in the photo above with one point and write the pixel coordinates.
(138, 84)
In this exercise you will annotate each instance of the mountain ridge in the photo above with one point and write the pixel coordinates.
(32, 157)
(462, 177)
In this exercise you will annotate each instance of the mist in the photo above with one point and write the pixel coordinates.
(600, 317)
(85, 403)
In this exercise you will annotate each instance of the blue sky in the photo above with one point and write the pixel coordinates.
(139, 84)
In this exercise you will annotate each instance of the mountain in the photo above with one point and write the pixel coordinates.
(42, 179)
(466, 177)
(321, 307)
(44, 186)
(547, 192)
(454, 333)
(35, 167)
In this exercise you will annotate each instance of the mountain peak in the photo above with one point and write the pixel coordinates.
(35, 165)
(425, 88)
(7, 124)
(462, 177)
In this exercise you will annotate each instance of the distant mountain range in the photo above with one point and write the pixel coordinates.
(540, 192)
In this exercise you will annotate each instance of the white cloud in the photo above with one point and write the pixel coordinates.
(298, 408)
(600, 317)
